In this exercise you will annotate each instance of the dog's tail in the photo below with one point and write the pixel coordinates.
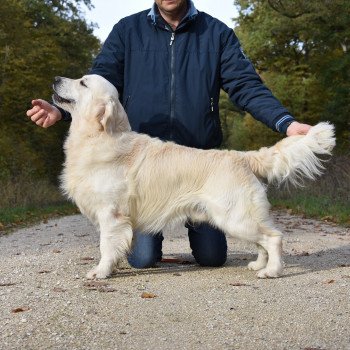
(295, 157)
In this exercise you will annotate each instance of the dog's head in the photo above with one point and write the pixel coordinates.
(93, 102)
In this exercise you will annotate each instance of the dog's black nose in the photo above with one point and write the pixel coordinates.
(57, 80)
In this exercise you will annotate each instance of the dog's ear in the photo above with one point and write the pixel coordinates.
(114, 118)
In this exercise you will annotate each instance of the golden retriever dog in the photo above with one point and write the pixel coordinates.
(125, 181)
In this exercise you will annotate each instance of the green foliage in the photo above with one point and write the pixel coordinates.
(240, 131)
(302, 51)
(14, 218)
(39, 39)
(321, 207)
(328, 197)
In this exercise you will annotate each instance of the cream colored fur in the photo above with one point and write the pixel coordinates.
(123, 181)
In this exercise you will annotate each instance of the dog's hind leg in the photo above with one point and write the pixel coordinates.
(261, 261)
(115, 241)
(271, 241)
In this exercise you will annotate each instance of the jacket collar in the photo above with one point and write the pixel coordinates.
(156, 19)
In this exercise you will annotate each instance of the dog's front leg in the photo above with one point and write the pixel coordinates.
(115, 241)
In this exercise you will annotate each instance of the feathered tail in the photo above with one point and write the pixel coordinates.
(295, 157)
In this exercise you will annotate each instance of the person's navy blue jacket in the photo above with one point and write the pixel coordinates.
(169, 81)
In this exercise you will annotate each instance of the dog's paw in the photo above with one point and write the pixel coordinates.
(256, 265)
(98, 273)
(269, 273)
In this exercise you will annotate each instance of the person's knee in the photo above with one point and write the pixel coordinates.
(213, 259)
(143, 261)
(146, 250)
(209, 246)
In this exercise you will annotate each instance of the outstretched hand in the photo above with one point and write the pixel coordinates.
(297, 128)
(43, 113)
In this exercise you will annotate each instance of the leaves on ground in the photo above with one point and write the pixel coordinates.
(100, 286)
(176, 261)
(20, 309)
(8, 284)
(146, 295)
(239, 284)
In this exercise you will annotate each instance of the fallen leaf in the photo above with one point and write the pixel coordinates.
(59, 290)
(7, 284)
(87, 258)
(176, 261)
(95, 284)
(100, 286)
(171, 260)
(44, 271)
(329, 281)
(238, 284)
(186, 262)
(328, 218)
(2, 226)
(20, 309)
(107, 289)
(146, 295)
(56, 251)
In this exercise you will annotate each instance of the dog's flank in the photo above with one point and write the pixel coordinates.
(124, 181)
(294, 158)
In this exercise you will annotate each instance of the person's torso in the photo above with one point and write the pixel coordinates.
(172, 81)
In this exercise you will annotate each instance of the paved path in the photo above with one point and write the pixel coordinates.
(46, 303)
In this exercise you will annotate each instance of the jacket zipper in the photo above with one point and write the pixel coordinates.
(172, 83)
(212, 104)
(126, 102)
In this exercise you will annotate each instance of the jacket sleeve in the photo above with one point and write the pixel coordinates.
(65, 115)
(109, 63)
(246, 89)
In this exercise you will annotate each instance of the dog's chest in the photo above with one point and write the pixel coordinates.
(95, 187)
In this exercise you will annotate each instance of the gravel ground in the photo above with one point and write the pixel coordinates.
(46, 302)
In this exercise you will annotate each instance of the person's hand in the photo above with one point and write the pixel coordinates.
(43, 113)
(297, 128)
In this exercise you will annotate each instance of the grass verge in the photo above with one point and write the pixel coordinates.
(323, 208)
(319, 207)
(14, 218)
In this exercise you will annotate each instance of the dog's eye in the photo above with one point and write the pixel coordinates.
(83, 83)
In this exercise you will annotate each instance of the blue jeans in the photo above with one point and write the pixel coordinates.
(208, 244)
